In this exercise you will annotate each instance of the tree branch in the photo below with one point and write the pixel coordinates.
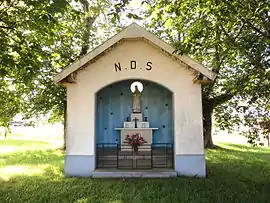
(89, 20)
(231, 38)
(240, 30)
(256, 63)
(225, 32)
(6, 27)
(256, 29)
(222, 98)
(244, 19)
(10, 4)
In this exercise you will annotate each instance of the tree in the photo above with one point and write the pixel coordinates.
(257, 119)
(229, 37)
(28, 30)
(38, 39)
(95, 17)
(9, 103)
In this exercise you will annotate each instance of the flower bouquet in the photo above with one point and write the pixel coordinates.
(135, 140)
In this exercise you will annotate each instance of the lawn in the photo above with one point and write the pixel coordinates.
(31, 170)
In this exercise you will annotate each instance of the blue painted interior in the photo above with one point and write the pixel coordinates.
(114, 105)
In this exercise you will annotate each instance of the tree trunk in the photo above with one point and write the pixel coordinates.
(7, 130)
(89, 21)
(207, 124)
(65, 127)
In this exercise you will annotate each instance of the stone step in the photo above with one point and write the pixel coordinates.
(100, 173)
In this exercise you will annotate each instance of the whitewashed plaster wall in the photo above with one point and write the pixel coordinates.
(165, 71)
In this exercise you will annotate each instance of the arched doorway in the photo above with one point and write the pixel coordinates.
(114, 107)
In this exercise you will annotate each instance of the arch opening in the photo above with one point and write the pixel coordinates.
(135, 79)
(114, 109)
(114, 106)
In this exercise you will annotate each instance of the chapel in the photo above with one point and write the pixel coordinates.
(134, 109)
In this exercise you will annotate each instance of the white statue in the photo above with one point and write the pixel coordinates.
(136, 100)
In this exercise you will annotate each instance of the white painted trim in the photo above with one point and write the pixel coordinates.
(133, 31)
(136, 128)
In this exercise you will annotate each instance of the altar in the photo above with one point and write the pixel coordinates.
(136, 134)
(146, 133)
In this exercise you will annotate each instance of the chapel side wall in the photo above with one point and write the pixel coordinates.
(80, 111)
(165, 71)
(188, 122)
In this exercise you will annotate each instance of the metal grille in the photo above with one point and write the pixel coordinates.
(116, 156)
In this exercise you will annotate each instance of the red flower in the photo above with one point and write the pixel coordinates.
(135, 140)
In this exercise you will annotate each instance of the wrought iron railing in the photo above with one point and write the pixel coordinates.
(124, 157)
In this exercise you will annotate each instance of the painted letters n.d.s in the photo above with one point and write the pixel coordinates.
(133, 65)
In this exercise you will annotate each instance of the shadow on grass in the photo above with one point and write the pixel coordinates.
(22, 142)
(240, 147)
(34, 157)
(233, 176)
(240, 153)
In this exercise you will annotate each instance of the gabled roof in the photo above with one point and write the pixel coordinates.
(133, 31)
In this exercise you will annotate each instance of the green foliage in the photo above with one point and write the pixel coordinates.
(9, 103)
(229, 37)
(33, 172)
(31, 32)
(38, 40)
(257, 119)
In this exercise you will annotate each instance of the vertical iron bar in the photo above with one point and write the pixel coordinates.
(151, 155)
(97, 156)
(132, 158)
(166, 156)
(172, 155)
(117, 155)
(102, 154)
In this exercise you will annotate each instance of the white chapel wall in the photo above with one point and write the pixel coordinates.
(165, 71)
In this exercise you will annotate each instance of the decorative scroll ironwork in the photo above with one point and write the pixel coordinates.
(154, 156)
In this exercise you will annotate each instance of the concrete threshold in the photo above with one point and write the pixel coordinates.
(117, 173)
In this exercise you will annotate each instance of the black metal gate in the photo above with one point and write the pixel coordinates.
(118, 156)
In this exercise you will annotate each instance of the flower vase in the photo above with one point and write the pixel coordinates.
(135, 148)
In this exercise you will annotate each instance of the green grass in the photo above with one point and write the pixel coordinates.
(32, 171)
